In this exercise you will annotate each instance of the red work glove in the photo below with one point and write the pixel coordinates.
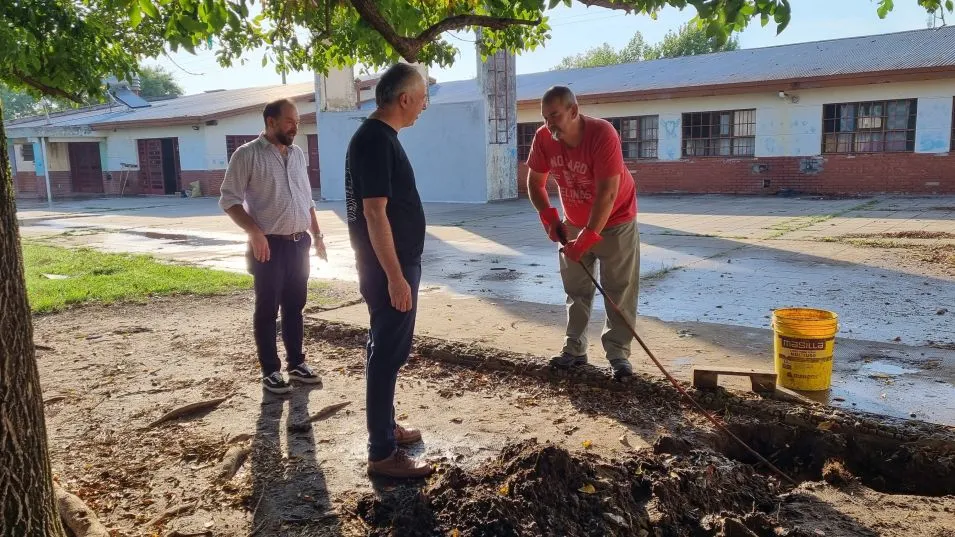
(552, 224)
(586, 240)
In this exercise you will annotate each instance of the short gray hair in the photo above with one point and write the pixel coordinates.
(562, 93)
(394, 82)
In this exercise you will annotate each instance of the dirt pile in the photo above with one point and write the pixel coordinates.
(540, 489)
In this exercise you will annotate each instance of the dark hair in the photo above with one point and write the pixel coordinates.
(274, 109)
(394, 82)
(563, 93)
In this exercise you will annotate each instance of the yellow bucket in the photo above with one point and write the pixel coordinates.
(803, 344)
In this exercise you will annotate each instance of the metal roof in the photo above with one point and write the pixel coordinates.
(917, 49)
(200, 105)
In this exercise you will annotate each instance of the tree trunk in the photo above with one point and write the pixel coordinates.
(27, 506)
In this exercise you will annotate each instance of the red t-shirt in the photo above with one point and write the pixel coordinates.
(577, 170)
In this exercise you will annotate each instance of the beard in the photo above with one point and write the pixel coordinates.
(285, 138)
(555, 134)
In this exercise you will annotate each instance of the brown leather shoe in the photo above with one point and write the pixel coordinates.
(399, 465)
(405, 436)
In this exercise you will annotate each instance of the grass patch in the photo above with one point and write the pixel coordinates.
(802, 222)
(92, 276)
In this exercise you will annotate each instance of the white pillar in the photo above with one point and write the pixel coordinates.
(336, 91)
(497, 82)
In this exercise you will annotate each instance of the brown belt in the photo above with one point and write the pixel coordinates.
(293, 237)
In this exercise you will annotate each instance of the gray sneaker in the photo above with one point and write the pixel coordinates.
(621, 368)
(565, 360)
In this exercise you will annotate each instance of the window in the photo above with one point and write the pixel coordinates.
(869, 127)
(232, 142)
(26, 151)
(719, 134)
(525, 138)
(638, 135)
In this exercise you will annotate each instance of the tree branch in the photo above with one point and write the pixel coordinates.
(458, 22)
(609, 4)
(47, 90)
(409, 47)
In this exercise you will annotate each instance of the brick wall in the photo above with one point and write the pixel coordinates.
(909, 173)
(28, 185)
(33, 186)
(61, 183)
(114, 183)
(210, 180)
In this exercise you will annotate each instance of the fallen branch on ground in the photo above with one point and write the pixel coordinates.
(188, 409)
(77, 516)
(328, 411)
(177, 533)
(231, 462)
(54, 399)
(242, 437)
(169, 513)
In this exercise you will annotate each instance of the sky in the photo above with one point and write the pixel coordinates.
(577, 29)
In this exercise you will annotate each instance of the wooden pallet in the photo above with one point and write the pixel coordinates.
(708, 377)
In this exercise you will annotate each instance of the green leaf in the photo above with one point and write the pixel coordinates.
(552, 4)
(950, 5)
(885, 6)
(135, 14)
(764, 19)
(149, 9)
(192, 25)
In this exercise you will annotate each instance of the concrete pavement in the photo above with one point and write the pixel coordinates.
(713, 260)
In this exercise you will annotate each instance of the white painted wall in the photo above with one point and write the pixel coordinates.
(446, 148)
(335, 130)
(784, 128)
(25, 165)
(934, 124)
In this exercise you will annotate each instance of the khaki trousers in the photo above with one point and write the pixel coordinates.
(619, 275)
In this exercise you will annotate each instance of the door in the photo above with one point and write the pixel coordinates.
(314, 178)
(159, 165)
(86, 172)
(150, 166)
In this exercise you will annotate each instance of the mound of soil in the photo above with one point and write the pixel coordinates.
(540, 489)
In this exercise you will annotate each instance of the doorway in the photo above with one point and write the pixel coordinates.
(159, 168)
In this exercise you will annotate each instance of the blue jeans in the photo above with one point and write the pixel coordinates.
(280, 282)
(387, 349)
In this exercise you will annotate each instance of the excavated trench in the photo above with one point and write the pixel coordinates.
(702, 483)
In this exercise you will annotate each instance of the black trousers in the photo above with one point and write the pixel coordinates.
(388, 347)
(280, 282)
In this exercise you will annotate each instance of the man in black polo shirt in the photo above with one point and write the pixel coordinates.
(386, 226)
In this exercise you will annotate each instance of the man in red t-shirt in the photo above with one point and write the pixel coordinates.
(599, 199)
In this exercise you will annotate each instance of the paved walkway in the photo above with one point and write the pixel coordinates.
(724, 261)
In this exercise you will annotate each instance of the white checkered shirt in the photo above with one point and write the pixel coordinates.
(275, 192)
